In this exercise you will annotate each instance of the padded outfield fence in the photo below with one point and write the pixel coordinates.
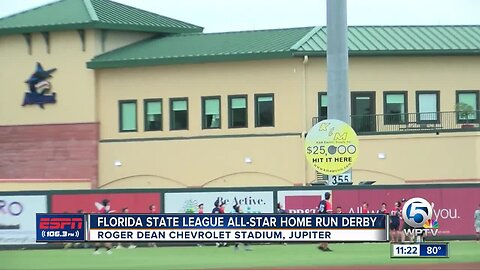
(453, 204)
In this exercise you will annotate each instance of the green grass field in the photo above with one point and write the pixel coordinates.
(213, 257)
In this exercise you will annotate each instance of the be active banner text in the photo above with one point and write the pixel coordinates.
(213, 227)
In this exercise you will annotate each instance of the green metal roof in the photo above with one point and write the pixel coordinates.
(399, 40)
(91, 14)
(200, 47)
(281, 43)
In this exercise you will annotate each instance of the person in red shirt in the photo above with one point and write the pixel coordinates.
(222, 208)
(383, 209)
(365, 208)
(219, 209)
(222, 211)
(325, 207)
(238, 209)
(395, 215)
(125, 210)
(200, 211)
(152, 209)
(103, 208)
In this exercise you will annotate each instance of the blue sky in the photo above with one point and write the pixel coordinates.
(234, 15)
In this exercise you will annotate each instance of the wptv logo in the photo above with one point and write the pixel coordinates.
(417, 213)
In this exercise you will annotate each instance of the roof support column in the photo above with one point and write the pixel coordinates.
(28, 40)
(81, 33)
(103, 37)
(46, 38)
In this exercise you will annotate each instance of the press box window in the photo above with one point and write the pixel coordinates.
(264, 111)
(178, 114)
(128, 116)
(211, 112)
(238, 112)
(467, 106)
(395, 108)
(428, 106)
(153, 114)
(322, 106)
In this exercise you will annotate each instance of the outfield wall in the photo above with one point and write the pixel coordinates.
(453, 204)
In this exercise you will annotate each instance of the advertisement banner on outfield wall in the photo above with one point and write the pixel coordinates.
(187, 202)
(453, 208)
(92, 202)
(301, 201)
(17, 218)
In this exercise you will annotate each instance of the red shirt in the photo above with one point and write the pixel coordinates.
(383, 211)
(325, 207)
(395, 212)
(200, 211)
(329, 207)
(364, 210)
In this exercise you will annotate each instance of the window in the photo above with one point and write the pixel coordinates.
(428, 106)
(178, 113)
(395, 107)
(153, 114)
(237, 111)
(363, 104)
(264, 111)
(210, 112)
(128, 115)
(322, 106)
(467, 101)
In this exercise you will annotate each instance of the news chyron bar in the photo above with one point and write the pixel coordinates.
(212, 228)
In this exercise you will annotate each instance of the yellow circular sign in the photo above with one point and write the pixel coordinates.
(331, 147)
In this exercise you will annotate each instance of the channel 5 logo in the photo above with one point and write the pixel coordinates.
(60, 223)
(417, 213)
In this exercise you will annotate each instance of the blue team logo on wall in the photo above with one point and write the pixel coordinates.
(39, 88)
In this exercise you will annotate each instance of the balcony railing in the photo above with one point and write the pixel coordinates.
(413, 123)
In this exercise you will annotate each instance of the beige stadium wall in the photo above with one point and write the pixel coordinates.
(220, 162)
(54, 147)
(443, 73)
(427, 158)
(72, 82)
(109, 40)
(166, 162)
(205, 161)
(44, 185)
(419, 158)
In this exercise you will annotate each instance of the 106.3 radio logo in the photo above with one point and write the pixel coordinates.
(60, 227)
(417, 214)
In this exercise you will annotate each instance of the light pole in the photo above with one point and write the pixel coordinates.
(337, 61)
(337, 64)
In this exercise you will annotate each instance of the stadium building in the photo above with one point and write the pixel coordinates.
(97, 94)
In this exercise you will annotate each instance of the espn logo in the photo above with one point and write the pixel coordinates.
(61, 223)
